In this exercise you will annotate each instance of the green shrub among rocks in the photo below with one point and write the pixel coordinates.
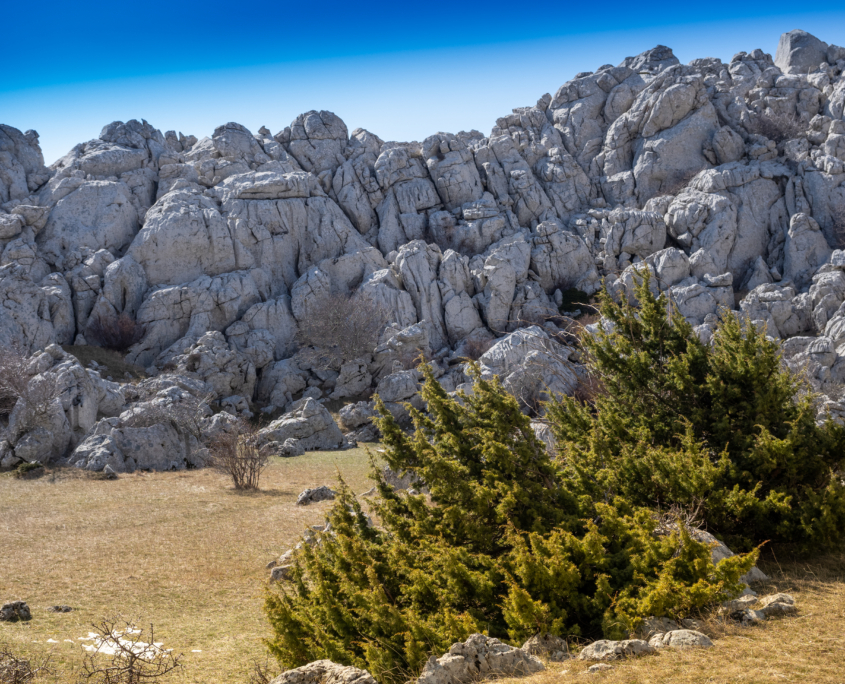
(723, 428)
(505, 545)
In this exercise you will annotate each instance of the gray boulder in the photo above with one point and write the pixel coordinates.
(530, 364)
(479, 657)
(15, 611)
(805, 251)
(324, 672)
(309, 496)
(680, 638)
(614, 650)
(800, 52)
(212, 360)
(127, 449)
(547, 645)
(95, 215)
(309, 422)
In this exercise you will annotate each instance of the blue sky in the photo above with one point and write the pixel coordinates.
(403, 70)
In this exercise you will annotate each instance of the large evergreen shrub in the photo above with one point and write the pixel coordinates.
(724, 428)
(503, 546)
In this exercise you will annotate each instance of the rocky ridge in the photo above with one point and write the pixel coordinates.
(725, 180)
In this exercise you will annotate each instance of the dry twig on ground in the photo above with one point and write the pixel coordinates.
(15, 669)
(132, 655)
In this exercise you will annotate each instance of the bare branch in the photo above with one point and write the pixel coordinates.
(19, 383)
(114, 332)
(341, 327)
(133, 655)
(17, 670)
(239, 455)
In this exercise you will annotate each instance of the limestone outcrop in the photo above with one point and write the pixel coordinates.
(726, 180)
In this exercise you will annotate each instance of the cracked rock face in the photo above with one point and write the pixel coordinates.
(724, 179)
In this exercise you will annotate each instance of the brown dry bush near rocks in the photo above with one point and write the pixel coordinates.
(777, 126)
(475, 348)
(238, 455)
(114, 332)
(16, 383)
(341, 327)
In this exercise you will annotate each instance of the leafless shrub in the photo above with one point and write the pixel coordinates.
(18, 382)
(837, 216)
(262, 672)
(341, 327)
(777, 126)
(239, 455)
(185, 416)
(687, 516)
(589, 388)
(17, 670)
(474, 348)
(673, 184)
(114, 332)
(132, 655)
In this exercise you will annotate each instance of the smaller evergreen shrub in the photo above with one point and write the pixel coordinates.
(573, 298)
(503, 546)
(681, 423)
(29, 470)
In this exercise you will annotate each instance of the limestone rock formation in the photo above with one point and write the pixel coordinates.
(309, 423)
(723, 179)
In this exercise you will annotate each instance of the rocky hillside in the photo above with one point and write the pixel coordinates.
(727, 181)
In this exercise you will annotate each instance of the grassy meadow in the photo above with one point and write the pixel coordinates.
(187, 553)
(181, 550)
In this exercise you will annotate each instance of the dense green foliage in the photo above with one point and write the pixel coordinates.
(503, 546)
(723, 427)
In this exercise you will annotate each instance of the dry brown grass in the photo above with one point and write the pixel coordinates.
(182, 550)
(808, 647)
(186, 552)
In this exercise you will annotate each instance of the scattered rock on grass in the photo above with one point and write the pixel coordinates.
(309, 496)
(777, 604)
(479, 657)
(15, 611)
(680, 638)
(324, 672)
(598, 667)
(613, 650)
(750, 610)
(289, 448)
(59, 609)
